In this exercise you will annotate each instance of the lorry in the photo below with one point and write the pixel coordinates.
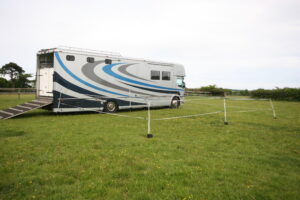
(74, 80)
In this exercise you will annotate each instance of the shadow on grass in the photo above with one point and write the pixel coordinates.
(11, 133)
(33, 114)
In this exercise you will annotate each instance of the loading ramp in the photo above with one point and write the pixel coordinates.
(25, 107)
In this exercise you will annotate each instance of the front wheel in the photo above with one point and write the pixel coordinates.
(111, 106)
(175, 103)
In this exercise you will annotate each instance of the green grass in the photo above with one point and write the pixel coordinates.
(97, 156)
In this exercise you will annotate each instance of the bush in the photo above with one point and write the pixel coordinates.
(290, 94)
(215, 91)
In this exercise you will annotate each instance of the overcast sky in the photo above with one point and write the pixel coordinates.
(233, 44)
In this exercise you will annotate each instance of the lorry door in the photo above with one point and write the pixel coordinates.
(45, 74)
(46, 81)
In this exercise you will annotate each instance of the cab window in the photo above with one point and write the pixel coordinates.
(180, 82)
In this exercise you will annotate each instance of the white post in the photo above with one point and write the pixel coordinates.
(149, 135)
(273, 109)
(129, 100)
(225, 113)
(59, 101)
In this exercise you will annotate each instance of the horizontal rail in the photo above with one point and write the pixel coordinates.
(12, 89)
(185, 116)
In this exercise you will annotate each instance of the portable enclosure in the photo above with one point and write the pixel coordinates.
(85, 80)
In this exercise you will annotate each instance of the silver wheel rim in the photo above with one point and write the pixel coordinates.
(111, 106)
(175, 103)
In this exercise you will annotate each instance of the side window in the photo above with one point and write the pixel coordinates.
(166, 76)
(155, 75)
(90, 59)
(70, 58)
(108, 61)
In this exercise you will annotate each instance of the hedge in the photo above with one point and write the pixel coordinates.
(290, 94)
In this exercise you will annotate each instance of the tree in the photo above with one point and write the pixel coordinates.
(23, 81)
(215, 91)
(16, 74)
(4, 83)
(245, 92)
(13, 71)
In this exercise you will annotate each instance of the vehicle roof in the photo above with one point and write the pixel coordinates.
(108, 54)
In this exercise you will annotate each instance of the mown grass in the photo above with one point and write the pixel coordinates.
(97, 156)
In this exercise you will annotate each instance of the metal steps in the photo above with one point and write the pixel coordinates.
(25, 107)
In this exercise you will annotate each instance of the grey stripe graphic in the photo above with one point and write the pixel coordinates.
(123, 69)
(88, 71)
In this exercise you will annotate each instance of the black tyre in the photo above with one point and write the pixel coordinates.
(111, 106)
(175, 103)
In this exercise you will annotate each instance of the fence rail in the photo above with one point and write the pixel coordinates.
(191, 92)
(17, 91)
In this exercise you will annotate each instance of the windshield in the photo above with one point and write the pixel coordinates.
(180, 82)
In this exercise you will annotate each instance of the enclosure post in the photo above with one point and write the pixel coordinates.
(129, 99)
(273, 109)
(59, 101)
(19, 93)
(149, 135)
(225, 113)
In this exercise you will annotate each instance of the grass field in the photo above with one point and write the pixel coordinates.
(98, 156)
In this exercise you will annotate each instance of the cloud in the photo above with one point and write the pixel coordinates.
(213, 39)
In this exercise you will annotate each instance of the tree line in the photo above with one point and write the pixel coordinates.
(17, 77)
(289, 94)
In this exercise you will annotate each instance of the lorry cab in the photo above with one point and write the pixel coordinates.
(179, 77)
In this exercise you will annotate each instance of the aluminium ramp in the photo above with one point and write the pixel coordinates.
(25, 107)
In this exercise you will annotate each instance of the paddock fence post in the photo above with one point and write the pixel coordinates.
(59, 102)
(273, 109)
(129, 99)
(149, 135)
(19, 94)
(225, 113)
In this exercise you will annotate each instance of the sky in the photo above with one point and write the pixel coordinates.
(245, 44)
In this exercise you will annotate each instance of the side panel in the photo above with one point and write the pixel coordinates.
(90, 85)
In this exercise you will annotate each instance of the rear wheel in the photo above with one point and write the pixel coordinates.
(175, 103)
(111, 106)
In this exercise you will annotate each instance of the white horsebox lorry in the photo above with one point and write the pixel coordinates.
(74, 80)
